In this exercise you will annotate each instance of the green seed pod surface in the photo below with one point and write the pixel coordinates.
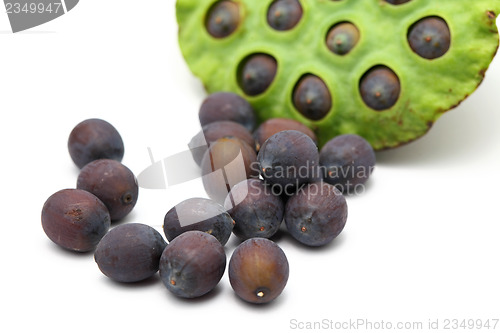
(428, 87)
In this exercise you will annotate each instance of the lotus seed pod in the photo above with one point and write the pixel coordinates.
(390, 68)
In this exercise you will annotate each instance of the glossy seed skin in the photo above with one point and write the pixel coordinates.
(430, 38)
(256, 74)
(347, 161)
(284, 14)
(214, 131)
(258, 270)
(113, 183)
(130, 252)
(75, 220)
(275, 125)
(227, 106)
(198, 214)
(192, 264)
(223, 19)
(94, 139)
(257, 212)
(312, 98)
(288, 159)
(342, 38)
(227, 162)
(380, 88)
(316, 215)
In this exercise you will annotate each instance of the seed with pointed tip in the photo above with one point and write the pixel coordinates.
(223, 19)
(312, 98)
(113, 183)
(192, 264)
(327, 207)
(258, 270)
(256, 210)
(380, 88)
(430, 37)
(342, 38)
(284, 14)
(256, 73)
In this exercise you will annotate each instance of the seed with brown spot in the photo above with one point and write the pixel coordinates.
(380, 88)
(312, 98)
(113, 183)
(223, 19)
(75, 219)
(256, 73)
(258, 270)
(284, 14)
(342, 38)
(430, 37)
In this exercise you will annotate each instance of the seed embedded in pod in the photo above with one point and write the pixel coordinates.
(256, 73)
(312, 98)
(223, 19)
(430, 37)
(342, 38)
(284, 14)
(380, 88)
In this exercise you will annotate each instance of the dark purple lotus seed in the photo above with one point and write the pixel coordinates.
(347, 162)
(75, 220)
(430, 37)
(380, 88)
(113, 183)
(312, 98)
(284, 14)
(316, 214)
(342, 38)
(223, 19)
(256, 211)
(94, 139)
(192, 264)
(256, 73)
(198, 214)
(288, 159)
(130, 252)
(227, 106)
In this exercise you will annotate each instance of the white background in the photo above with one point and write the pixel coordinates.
(422, 243)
